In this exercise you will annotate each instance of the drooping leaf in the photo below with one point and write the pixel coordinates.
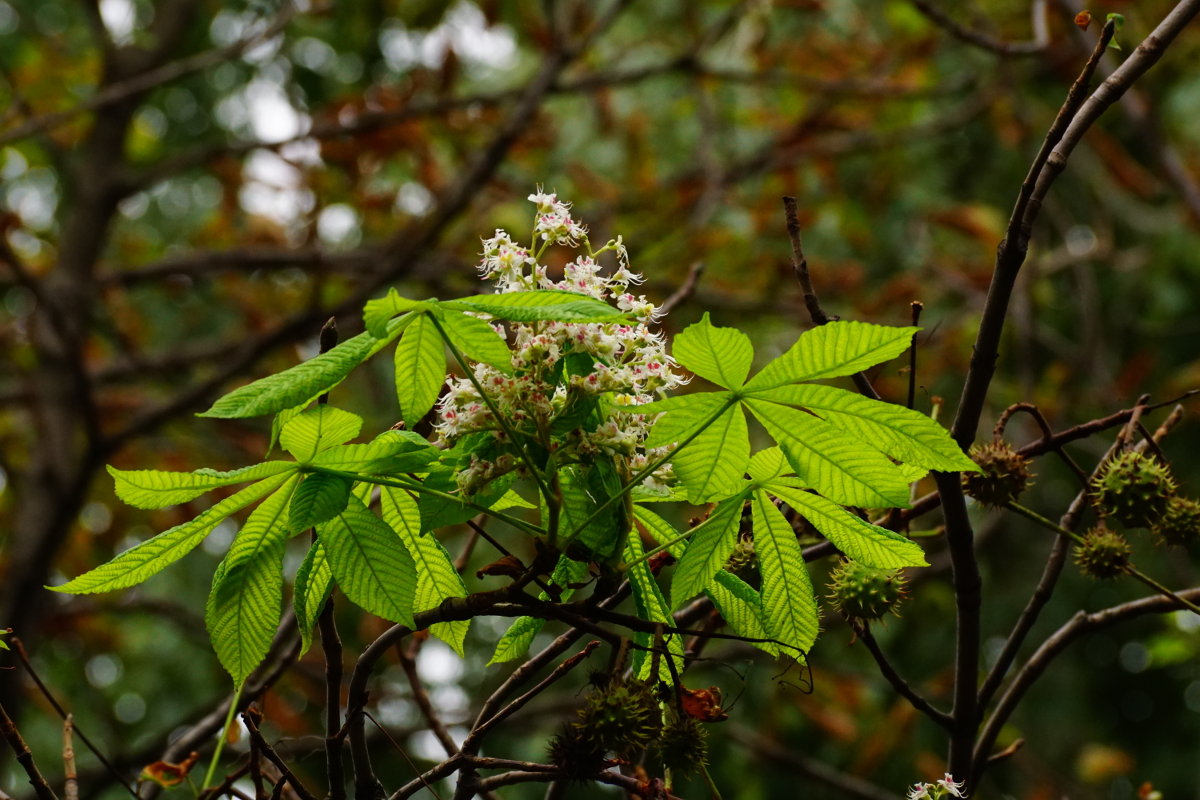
(420, 369)
(707, 551)
(516, 640)
(314, 583)
(741, 606)
(378, 312)
(370, 563)
(539, 304)
(874, 546)
(660, 530)
(390, 452)
(831, 350)
(584, 490)
(152, 488)
(302, 382)
(713, 463)
(901, 433)
(839, 466)
(437, 578)
(789, 607)
(153, 555)
(318, 499)
(477, 340)
(721, 355)
(652, 606)
(245, 604)
(319, 428)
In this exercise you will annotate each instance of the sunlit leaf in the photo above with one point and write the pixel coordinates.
(831, 350)
(713, 463)
(652, 606)
(314, 582)
(319, 428)
(152, 488)
(245, 604)
(478, 340)
(862, 541)
(707, 551)
(539, 304)
(721, 355)
(370, 563)
(420, 369)
(789, 607)
(317, 499)
(153, 555)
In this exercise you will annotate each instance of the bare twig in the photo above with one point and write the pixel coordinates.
(70, 775)
(421, 698)
(984, 40)
(685, 290)
(1080, 624)
(274, 758)
(24, 757)
(898, 683)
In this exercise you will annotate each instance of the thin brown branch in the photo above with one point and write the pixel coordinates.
(274, 758)
(1080, 624)
(980, 39)
(9, 731)
(685, 290)
(421, 697)
(898, 683)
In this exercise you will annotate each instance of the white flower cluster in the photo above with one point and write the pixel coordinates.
(946, 787)
(622, 365)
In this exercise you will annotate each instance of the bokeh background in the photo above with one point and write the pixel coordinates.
(190, 188)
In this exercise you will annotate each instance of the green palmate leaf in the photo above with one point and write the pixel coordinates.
(314, 583)
(741, 607)
(660, 530)
(370, 563)
(901, 433)
(437, 579)
(839, 466)
(768, 464)
(441, 511)
(378, 312)
(713, 463)
(153, 555)
(861, 541)
(318, 499)
(789, 607)
(832, 350)
(319, 428)
(511, 500)
(583, 490)
(152, 488)
(721, 355)
(282, 418)
(539, 304)
(709, 548)
(290, 388)
(651, 606)
(245, 604)
(478, 340)
(515, 642)
(420, 369)
(390, 452)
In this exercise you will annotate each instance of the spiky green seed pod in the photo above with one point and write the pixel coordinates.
(1180, 522)
(1133, 489)
(1005, 474)
(864, 592)
(742, 561)
(683, 745)
(1103, 553)
(622, 718)
(577, 757)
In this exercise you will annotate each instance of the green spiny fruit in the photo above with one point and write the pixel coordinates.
(1180, 523)
(1005, 474)
(622, 717)
(742, 561)
(1103, 553)
(683, 745)
(577, 757)
(1133, 489)
(864, 592)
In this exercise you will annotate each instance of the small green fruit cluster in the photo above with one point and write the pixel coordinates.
(620, 717)
(742, 561)
(1103, 553)
(683, 746)
(1133, 489)
(1005, 474)
(863, 592)
(1179, 523)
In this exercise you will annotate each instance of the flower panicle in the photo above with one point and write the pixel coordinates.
(938, 790)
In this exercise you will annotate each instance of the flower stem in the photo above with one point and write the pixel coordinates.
(216, 757)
